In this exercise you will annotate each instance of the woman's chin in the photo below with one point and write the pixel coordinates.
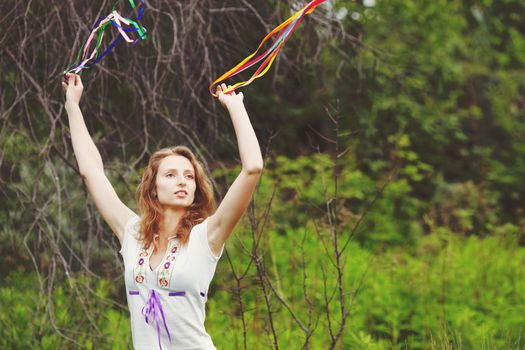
(178, 205)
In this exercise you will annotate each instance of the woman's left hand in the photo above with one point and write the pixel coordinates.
(231, 99)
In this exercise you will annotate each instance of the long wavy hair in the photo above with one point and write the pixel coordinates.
(151, 209)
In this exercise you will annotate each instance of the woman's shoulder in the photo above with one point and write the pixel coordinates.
(133, 224)
(131, 232)
(200, 225)
(199, 240)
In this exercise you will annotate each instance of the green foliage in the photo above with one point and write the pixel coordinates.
(300, 189)
(444, 75)
(467, 292)
(73, 315)
(450, 290)
(429, 97)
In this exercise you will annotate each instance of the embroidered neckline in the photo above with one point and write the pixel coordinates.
(163, 273)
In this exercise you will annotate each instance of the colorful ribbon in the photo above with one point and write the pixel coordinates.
(284, 31)
(123, 25)
(152, 310)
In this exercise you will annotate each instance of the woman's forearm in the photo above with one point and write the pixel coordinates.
(86, 153)
(249, 149)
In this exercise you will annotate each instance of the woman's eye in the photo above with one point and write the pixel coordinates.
(169, 175)
(189, 176)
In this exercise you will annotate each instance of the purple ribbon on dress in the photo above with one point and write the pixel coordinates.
(152, 310)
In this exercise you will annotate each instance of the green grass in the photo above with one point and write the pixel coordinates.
(448, 293)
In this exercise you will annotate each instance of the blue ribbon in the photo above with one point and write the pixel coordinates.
(117, 39)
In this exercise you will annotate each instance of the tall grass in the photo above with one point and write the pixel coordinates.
(448, 293)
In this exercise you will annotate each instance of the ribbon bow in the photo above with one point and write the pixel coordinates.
(151, 311)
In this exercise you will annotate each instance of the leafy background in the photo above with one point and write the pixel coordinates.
(391, 209)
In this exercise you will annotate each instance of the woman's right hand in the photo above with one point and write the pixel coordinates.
(73, 88)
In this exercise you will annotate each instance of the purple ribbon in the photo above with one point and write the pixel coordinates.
(152, 310)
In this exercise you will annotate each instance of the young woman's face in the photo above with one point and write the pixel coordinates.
(176, 182)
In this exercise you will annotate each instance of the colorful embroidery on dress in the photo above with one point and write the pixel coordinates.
(163, 270)
(142, 263)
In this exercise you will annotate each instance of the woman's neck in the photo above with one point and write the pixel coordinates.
(168, 224)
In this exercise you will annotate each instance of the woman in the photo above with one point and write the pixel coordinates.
(171, 251)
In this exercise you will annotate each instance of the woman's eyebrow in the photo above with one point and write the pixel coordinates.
(176, 170)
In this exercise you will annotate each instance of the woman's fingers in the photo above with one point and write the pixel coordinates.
(226, 88)
(223, 89)
(64, 87)
(218, 91)
(72, 79)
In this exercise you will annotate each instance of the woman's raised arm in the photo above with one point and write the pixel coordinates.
(90, 164)
(237, 199)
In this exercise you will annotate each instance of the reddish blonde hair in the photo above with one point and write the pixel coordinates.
(151, 209)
